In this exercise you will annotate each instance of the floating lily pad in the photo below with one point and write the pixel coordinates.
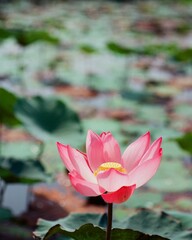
(183, 55)
(120, 49)
(88, 49)
(172, 151)
(7, 103)
(172, 176)
(166, 132)
(122, 103)
(152, 114)
(183, 110)
(20, 150)
(185, 142)
(143, 199)
(13, 231)
(48, 118)
(184, 217)
(25, 37)
(139, 96)
(26, 171)
(100, 125)
(135, 130)
(5, 214)
(183, 203)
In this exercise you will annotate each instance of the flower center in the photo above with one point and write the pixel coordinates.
(109, 165)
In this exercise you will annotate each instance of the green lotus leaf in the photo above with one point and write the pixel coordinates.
(48, 118)
(185, 142)
(26, 171)
(7, 103)
(146, 224)
(28, 36)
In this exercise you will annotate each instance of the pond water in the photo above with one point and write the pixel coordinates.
(18, 196)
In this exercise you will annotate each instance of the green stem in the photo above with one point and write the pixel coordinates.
(109, 221)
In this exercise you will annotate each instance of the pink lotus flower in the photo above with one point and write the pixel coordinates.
(103, 171)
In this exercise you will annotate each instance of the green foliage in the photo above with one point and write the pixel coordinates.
(71, 227)
(119, 49)
(85, 232)
(88, 49)
(185, 142)
(152, 50)
(171, 50)
(183, 55)
(143, 199)
(14, 231)
(26, 171)
(161, 224)
(143, 96)
(100, 125)
(152, 113)
(183, 110)
(146, 224)
(20, 149)
(172, 176)
(185, 218)
(7, 103)
(172, 152)
(47, 118)
(5, 214)
(26, 37)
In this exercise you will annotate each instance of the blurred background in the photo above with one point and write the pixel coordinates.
(70, 66)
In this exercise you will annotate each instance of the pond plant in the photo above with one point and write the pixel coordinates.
(36, 115)
(103, 171)
(124, 66)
